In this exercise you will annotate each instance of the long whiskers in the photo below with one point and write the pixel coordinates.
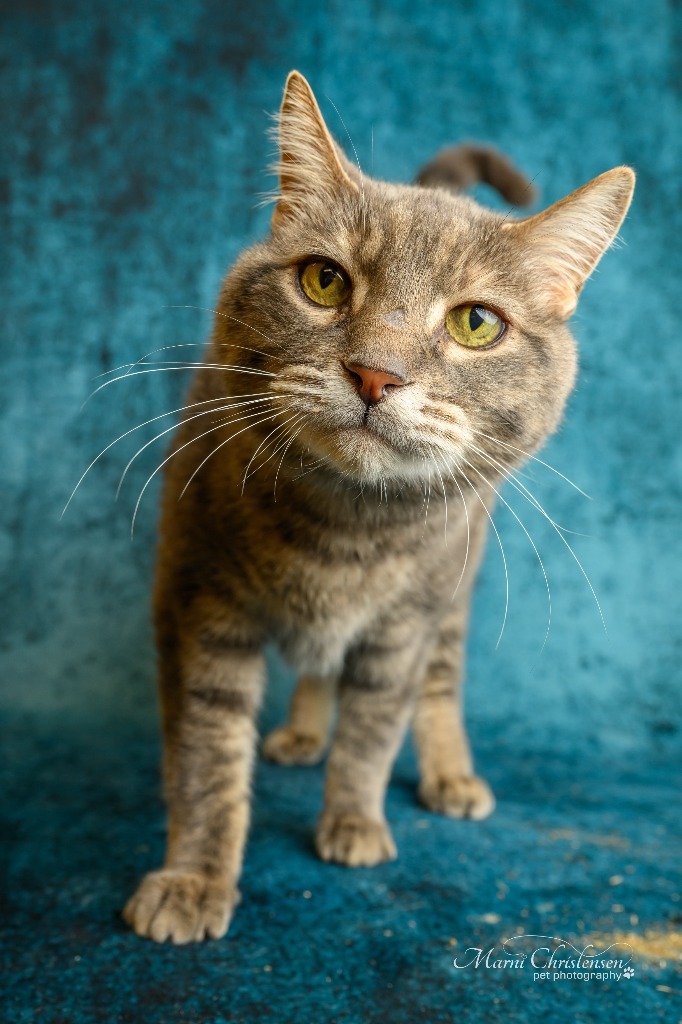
(311, 467)
(185, 366)
(427, 500)
(466, 514)
(445, 497)
(153, 419)
(176, 451)
(288, 444)
(266, 419)
(504, 560)
(142, 361)
(228, 316)
(205, 412)
(537, 553)
(505, 444)
(246, 474)
(273, 434)
(536, 504)
(517, 484)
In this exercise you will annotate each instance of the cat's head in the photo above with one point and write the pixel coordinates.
(410, 327)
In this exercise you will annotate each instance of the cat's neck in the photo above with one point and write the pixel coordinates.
(344, 499)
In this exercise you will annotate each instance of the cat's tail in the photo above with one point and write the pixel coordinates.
(459, 167)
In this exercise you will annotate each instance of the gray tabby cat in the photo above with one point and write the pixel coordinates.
(377, 365)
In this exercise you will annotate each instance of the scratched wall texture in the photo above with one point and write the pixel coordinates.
(133, 152)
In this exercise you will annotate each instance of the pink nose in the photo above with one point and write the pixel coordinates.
(372, 384)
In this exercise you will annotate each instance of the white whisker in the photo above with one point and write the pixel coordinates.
(311, 467)
(466, 553)
(504, 560)
(142, 361)
(445, 497)
(176, 451)
(286, 448)
(560, 534)
(172, 412)
(266, 419)
(228, 316)
(205, 412)
(513, 479)
(505, 444)
(246, 473)
(278, 429)
(428, 502)
(537, 553)
(170, 369)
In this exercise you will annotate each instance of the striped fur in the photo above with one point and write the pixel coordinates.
(320, 524)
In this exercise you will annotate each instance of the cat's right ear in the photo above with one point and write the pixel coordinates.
(309, 166)
(563, 244)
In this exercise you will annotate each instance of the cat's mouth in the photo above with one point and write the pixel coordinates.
(368, 425)
(369, 450)
(391, 439)
(367, 431)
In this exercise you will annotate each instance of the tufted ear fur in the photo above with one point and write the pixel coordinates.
(309, 165)
(563, 244)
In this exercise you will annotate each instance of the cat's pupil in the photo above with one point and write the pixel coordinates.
(327, 276)
(475, 319)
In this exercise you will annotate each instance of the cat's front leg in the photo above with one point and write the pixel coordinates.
(211, 679)
(448, 784)
(376, 694)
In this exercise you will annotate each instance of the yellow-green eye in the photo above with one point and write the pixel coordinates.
(474, 326)
(325, 283)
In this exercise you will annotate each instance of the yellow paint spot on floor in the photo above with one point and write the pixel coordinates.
(575, 836)
(652, 944)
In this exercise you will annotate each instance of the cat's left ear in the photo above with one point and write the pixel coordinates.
(309, 165)
(563, 244)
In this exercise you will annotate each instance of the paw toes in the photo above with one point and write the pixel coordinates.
(180, 907)
(354, 841)
(462, 796)
(287, 746)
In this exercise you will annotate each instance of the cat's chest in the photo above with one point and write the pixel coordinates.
(316, 616)
(321, 579)
(317, 598)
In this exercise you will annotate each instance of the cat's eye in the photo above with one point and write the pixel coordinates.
(474, 326)
(325, 283)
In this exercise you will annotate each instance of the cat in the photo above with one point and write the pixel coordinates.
(377, 365)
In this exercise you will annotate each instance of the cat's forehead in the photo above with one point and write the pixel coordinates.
(418, 217)
(410, 230)
(410, 238)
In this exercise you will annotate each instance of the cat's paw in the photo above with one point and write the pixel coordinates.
(459, 796)
(180, 907)
(287, 746)
(354, 841)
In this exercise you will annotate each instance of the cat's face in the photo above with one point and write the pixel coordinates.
(408, 327)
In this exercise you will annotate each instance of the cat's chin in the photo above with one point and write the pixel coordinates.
(364, 454)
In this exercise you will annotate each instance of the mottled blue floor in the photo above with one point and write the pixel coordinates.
(134, 149)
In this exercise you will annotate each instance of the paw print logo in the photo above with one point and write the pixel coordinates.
(628, 972)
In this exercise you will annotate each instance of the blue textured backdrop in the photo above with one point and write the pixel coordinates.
(134, 149)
